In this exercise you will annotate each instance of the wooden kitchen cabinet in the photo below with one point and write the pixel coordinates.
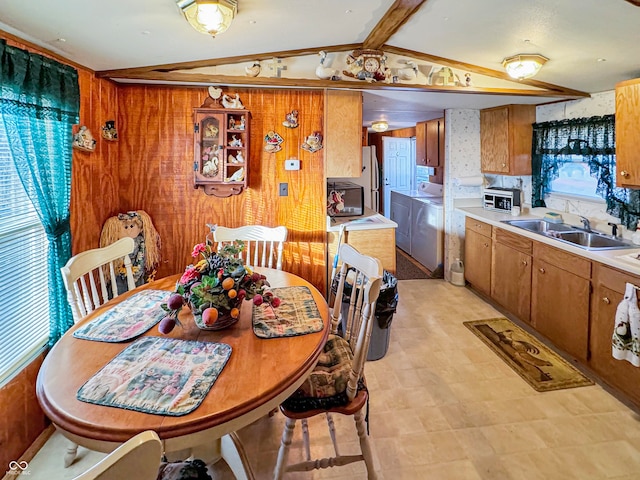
(608, 290)
(560, 294)
(505, 139)
(343, 133)
(627, 143)
(511, 272)
(429, 142)
(477, 255)
(221, 150)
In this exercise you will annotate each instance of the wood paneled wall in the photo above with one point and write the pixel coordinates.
(155, 165)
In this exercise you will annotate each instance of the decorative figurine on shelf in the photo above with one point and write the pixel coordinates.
(83, 140)
(292, 119)
(242, 124)
(313, 143)
(253, 70)
(146, 254)
(239, 157)
(467, 80)
(211, 131)
(443, 77)
(210, 161)
(109, 131)
(324, 72)
(238, 176)
(272, 142)
(231, 102)
(235, 142)
(408, 73)
(366, 64)
(231, 159)
(232, 123)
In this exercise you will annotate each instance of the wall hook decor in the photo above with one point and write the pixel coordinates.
(109, 131)
(83, 140)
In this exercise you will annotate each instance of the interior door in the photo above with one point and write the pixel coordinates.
(397, 168)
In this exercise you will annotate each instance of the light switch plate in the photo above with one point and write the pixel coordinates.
(292, 164)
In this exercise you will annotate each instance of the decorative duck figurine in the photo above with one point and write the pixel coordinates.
(231, 102)
(409, 73)
(325, 73)
(253, 71)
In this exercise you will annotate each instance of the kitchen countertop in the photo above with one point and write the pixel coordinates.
(622, 259)
(369, 221)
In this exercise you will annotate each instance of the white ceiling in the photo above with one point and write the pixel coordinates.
(573, 34)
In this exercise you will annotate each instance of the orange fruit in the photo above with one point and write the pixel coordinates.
(227, 283)
(209, 316)
(232, 293)
(234, 313)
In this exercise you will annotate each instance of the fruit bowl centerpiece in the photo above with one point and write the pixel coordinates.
(215, 288)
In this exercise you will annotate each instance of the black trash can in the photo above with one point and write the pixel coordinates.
(385, 308)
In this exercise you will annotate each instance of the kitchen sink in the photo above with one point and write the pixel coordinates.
(540, 226)
(593, 241)
(571, 235)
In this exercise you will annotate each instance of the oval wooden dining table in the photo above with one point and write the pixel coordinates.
(258, 376)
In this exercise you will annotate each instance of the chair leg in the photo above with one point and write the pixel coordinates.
(305, 438)
(364, 444)
(70, 454)
(332, 433)
(283, 453)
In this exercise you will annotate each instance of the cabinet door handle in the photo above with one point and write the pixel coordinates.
(606, 300)
(486, 245)
(542, 270)
(624, 173)
(524, 262)
(504, 164)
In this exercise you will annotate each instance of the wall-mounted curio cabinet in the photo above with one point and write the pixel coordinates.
(221, 150)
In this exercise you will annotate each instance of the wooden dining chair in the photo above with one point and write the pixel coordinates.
(139, 458)
(88, 275)
(337, 383)
(262, 244)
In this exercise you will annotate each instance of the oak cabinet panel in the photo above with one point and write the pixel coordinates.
(343, 133)
(477, 255)
(430, 143)
(608, 291)
(505, 139)
(560, 307)
(627, 143)
(511, 273)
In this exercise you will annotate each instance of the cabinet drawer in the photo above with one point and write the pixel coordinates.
(478, 226)
(513, 240)
(566, 261)
(612, 278)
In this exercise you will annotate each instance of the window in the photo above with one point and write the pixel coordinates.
(574, 178)
(24, 309)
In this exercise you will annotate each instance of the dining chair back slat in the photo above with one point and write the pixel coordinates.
(263, 245)
(87, 275)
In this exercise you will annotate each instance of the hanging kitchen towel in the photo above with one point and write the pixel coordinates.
(625, 342)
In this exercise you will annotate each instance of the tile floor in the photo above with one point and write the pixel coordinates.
(443, 406)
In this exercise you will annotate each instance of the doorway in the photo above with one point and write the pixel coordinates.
(398, 167)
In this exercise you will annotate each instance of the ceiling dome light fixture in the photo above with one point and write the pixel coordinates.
(380, 126)
(523, 66)
(210, 17)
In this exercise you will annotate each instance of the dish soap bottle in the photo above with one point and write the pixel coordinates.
(635, 238)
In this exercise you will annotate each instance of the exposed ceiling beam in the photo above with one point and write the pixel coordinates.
(391, 21)
(480, 70)
(205, 79)
(634, 2)
(169, 67)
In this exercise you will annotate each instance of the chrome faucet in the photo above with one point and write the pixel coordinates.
(585, 223)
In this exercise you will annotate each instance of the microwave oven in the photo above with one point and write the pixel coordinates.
(501, 199)
(345, 199)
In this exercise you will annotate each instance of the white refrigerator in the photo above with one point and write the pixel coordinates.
(369, 179)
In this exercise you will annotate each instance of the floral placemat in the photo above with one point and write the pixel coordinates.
(128, 319)
(297, 314)
(165, 376)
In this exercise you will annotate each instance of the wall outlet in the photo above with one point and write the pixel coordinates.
(284, 189)
(292, 164)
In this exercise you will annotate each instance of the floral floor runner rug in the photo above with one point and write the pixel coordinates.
(128, 319)
(165, 376)
(297, 314)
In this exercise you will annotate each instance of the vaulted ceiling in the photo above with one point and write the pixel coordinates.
(591, 44)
